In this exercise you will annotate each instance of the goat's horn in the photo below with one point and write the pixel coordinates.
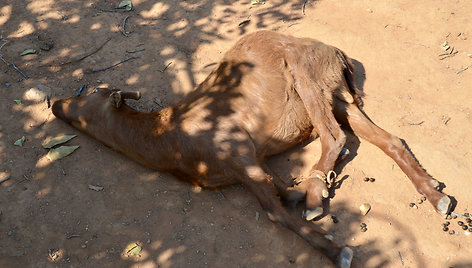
(134, 95)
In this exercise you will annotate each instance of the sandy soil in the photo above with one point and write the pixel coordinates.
(50, 218)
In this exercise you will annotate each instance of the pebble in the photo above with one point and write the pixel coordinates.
(372, 179)
(335, 220)
(448, 217)
(363, 225)
(454, 217)
(366, 179)
(446, 223)
(460, 223)
(451, 232)
(445, 229)
(464, 227)
(364, 229)
(7, 84)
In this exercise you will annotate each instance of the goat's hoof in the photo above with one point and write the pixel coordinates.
(444, 205)
(309, 214)
(345, 257)
(344, 153)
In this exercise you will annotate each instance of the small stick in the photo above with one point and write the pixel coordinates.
(5, 179)
(136, 50)
(244, 22)
(165, 68)
(114, 65)
(87, 55)
(303, 7)
(84, 86)
(463, 69)
(72, 236)
(18, 70)
(123, 31)
(416, 124)
(449, 55)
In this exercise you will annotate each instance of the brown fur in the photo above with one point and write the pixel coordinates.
(269, 92)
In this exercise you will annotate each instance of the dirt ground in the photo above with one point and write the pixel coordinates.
(50, 218)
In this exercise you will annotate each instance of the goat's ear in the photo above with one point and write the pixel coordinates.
(115, 99)
(134, 95)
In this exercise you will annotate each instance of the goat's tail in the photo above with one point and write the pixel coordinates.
(348, 73)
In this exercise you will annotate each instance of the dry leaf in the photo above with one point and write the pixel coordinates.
(28, 51)
(49, 143)
(133, 249)
(20, 141)
(63, 151)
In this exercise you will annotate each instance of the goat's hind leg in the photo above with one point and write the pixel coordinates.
(394, 147)
(260, 184)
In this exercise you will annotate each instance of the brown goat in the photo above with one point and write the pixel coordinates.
(269, 93)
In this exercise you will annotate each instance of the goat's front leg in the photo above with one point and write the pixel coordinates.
(333, 140)
(260, 184)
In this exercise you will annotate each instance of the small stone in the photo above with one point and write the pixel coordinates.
(454, 217)
(370, 10)
(467, 214)
(470, 229)
(451, 232)
(291, 260)
(423, 198)
(445, 229)
(363, 225)
(366, 179)
(372, 179)
(364, 229)
(448, 217)
(446, 223)
(460, 223)
(84, 246)
(420, 201)
(464, 227)
(7, 84)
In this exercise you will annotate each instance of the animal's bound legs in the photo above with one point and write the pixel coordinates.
(260, 184)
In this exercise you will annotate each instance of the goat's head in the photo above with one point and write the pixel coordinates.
(81, 110)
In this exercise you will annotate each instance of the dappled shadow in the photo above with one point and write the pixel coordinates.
(169, 38)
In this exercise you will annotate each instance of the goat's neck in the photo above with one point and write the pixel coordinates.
(141, 136)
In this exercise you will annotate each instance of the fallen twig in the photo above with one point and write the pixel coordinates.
(87, 54)
(463, 69)
(114, 65)
(5, 179)
(412, 43)
(165, 68)
(84, 86)
(416, 124)
(72, 236)
(303, 7)
(136, 50)
(244, 22)
(448, 55)
(123, 31)
(11, 63)
(18, 70)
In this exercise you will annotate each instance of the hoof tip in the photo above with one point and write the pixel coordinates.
(444, 205)
(309, 215)
(345, 257)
